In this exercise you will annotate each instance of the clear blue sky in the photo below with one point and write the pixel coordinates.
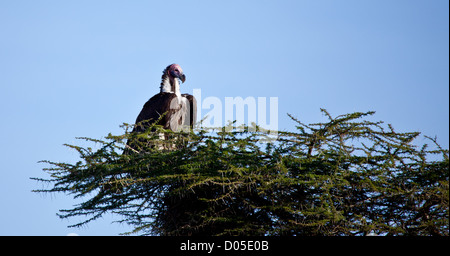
(81, 68)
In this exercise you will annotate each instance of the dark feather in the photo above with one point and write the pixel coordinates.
(193, 109)
(152, 111)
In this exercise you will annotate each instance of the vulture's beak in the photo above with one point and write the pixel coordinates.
(182, 78)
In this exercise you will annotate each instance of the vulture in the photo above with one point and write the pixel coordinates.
(178, 111)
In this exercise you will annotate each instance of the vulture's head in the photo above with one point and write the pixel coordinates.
(174, 71)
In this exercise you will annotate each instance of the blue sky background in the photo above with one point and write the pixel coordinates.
(82, 68)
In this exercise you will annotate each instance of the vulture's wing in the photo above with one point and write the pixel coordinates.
(191, 115)
(152, 111)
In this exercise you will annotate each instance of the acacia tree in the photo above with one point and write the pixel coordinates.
(345, 176)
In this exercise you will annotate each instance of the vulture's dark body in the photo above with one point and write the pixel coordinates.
(178, 114)
(166, 103)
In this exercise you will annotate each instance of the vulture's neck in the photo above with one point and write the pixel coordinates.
(170, 85)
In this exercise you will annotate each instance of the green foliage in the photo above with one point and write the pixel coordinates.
(346, 176)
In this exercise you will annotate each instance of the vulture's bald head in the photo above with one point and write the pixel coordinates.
(175, 71)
